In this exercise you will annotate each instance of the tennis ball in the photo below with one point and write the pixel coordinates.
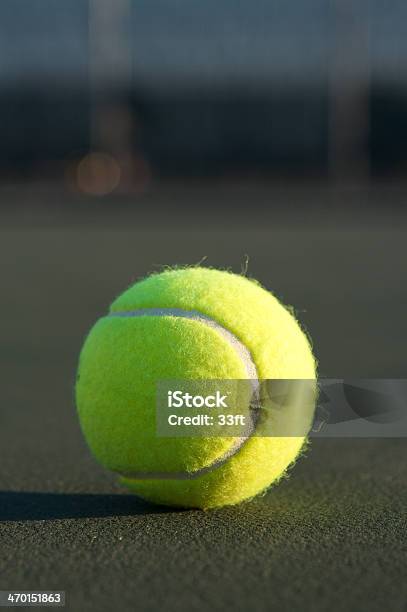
(187, 324)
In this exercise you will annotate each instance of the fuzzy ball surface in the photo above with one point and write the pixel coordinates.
(187, 323)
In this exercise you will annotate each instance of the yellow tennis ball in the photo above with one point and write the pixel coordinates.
(187, 324)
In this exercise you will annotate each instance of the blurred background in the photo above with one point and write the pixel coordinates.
(109, 97)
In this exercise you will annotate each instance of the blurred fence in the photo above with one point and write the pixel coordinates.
(307, 88)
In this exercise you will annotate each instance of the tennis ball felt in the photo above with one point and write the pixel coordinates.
(187, 323)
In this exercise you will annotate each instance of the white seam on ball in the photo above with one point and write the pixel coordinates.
(243, 353)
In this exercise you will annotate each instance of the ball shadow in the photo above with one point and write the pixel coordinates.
(33, 506)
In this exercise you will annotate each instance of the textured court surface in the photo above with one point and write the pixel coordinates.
(331, 537)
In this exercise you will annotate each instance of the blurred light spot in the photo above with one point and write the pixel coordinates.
(98, 174)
